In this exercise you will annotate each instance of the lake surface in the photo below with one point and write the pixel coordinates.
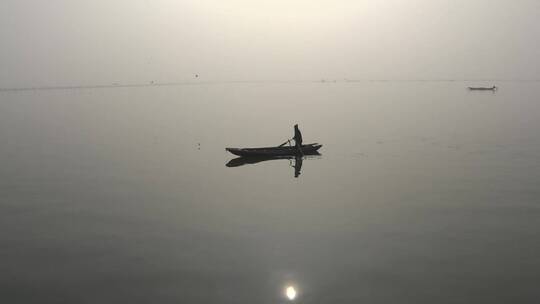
(424, 192)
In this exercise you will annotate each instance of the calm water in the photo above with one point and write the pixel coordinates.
(424, 193)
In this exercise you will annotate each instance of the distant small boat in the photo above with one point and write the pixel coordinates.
(493, 88)
(308, 149)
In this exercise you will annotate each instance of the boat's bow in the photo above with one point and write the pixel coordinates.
(235, 151)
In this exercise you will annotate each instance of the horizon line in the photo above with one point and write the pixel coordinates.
(323, 80)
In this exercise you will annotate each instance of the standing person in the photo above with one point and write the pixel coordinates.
(298, 139)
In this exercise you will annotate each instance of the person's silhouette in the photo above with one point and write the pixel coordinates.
(298, 139)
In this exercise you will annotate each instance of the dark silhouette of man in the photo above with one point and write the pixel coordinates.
(298, 139)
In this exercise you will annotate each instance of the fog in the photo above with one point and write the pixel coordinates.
(115, 186)
(65, 42)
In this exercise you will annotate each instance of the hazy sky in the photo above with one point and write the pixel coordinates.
(67, 42)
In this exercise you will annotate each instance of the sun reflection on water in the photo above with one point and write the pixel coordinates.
(290, 292)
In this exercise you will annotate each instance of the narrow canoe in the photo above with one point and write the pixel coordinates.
(493, 88)
(275, 151)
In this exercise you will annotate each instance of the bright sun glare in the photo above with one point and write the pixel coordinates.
(290, 292)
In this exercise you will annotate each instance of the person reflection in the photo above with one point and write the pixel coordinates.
(298, 165)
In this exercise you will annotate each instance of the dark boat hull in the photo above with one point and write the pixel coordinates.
(483, 88)
(275, 151)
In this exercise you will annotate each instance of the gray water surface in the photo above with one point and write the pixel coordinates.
(424, 193)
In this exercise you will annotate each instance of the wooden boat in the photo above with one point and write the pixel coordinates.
(493, 88)
(275, 151)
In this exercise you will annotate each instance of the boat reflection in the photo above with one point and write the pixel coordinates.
(294, 161)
